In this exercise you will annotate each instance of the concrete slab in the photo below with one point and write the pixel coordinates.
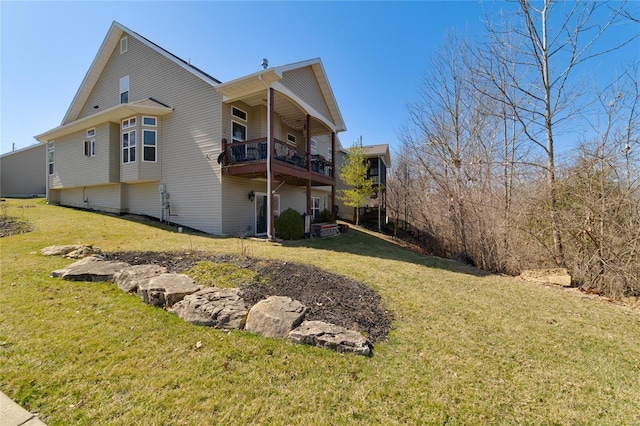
(11, 414)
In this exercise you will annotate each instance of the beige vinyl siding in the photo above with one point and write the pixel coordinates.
(114, 152)
(73, 169)
(102, 198)
(302, 81)
(238, 210)
(24, 172)
(144, 199)
(189, 137)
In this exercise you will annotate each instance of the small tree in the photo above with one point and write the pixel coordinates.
(354, 174)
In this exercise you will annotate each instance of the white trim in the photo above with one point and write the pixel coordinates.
(129, 146)
(294, 141)
(124, 45)
(233, 136)
(155, 121)
(155, 146)
(89, 148)
(124, 88)
(128, 122)
(246, 115)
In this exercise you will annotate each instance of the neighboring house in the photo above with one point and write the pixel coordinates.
(147, 133)
(22, 172)
(378, 160)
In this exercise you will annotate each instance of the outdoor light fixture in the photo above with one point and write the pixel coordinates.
(252, 196)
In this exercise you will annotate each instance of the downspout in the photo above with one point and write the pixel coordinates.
(269, 177)
(379, 194)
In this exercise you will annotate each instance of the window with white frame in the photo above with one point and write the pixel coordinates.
(238, 129)
(314, 147)
(238, 113)
(124, 44)
(315, 207)
(149, 121)
(291, 139)
(90, 148)
(129, 122)
(329, 154)
(50, 149)
(149, 146)
(129, 146)
(91, 133)
(124, 90)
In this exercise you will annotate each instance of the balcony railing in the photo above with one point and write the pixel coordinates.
(255, 151)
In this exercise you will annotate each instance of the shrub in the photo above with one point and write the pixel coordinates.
(326, 216)
(289, 225)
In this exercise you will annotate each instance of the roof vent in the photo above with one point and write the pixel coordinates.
(265, 63)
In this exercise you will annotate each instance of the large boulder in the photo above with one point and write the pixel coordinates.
(90, 269)
(557, 276)
(214, 307)
(275, 316)
(128, 279)
(166, 289)
(330, 336)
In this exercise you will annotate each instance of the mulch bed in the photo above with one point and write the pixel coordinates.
(330, 297)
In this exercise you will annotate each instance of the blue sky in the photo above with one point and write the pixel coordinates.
(374, 53)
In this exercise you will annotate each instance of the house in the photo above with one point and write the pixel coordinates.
(378, 160)
(150, 134)
(22, 172)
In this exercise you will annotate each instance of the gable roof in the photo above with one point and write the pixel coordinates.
(257, 82)
(380, 150)
(116, 31)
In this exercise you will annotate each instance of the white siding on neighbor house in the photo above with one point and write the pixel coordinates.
(190, 136)
(103, 198)
(144, 199)
(24, 172)
(72, 168)
(302, 81)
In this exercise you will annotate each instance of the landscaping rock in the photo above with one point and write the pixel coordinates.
(128, 279)
(60, 250)
(557, 276)
(275, 316)
(166, 289)
(214, 307)
(83, 251)
(90, 269)
(330, 336)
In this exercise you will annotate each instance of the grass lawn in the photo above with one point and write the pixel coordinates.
(465, 348)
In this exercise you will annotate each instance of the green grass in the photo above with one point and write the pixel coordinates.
(466, 348)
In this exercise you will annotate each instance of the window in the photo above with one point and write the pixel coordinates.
(149, 121)
(90, 148)
(291, 139)
(124, 90)
(315, 207)
(129, 122)
(129, 146)
(91, 133)
(124, 44)
(329, 154)
(314, 147)
(148, 145)
(239, 132)
(50, 149)
(236, 112)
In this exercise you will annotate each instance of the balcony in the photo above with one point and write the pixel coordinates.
(289, 164)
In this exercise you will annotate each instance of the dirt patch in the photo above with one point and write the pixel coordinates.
(330, 297)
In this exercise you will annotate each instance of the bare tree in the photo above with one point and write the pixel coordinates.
(553, 41)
